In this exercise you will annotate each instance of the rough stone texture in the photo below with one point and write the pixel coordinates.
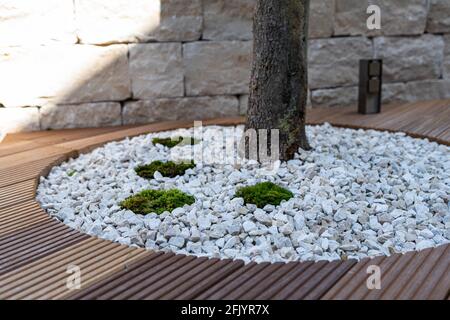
(321, 21)
(399, 17)
(63, 73)
(308, 100)
(439, 16)
(119, 21)
(393, 92)
(197, 108)
(19, 119)
(156, 70)
(407, 59)
(232, 19)
(86, 115)
(113, 21)
(334, 62)
(416, 90)
(228, 19)
(447, 57)
(36, 22)
(243, 104)
(181, 20)
(215, 68)
(336, 97)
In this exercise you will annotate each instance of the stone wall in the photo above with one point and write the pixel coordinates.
(83, 63)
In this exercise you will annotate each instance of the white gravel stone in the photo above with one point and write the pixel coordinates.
(249, 226)
(357, 194)
(426, 234)
(262, 217)
(177, 241)
(424, 244)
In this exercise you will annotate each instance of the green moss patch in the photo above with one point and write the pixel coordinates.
(71, 173)
(156, 201)
(167, 169)
(263, 193)
(172, 142)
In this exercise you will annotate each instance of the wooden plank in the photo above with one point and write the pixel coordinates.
(219, 285)
(355, 277)
(331, 279)
(254, 282)
(290, 290)
(390, 290)
(29, 171)
(45, 278)
(163, 281)
(207, 282)
(437, 284)
(17, 193)
(270, 281)
(281, 284)
(41, 252)
(182, 281)
(92, 271)
(25, 157)
(390, 277)
(129, 272)
(125, 290)
(225, 292)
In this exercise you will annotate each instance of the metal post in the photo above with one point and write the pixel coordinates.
(370, 82)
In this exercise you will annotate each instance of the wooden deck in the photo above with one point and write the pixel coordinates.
(35, 249)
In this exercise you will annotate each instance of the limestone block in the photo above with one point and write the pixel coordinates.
(217, 68)
(335, 62)
(102, 114)
(28, 22)
(335, 97)
(156, 70)
(117, 21)
(194, 108)
(399, 17)
(181, 20)
(439, 16)
(228, 19)
(410, 58)
(63, 74)
(321, 20)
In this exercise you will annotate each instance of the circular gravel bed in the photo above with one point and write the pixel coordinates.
(357, 194)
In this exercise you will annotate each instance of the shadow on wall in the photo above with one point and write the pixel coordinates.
(90, 63)
(79, 65)
(79, 77)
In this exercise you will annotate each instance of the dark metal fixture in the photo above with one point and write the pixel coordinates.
(370, 81)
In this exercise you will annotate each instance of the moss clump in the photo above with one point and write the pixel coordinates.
(264, 193)
(172, 142)
(167, 169)
(156, 201)
(71, 173)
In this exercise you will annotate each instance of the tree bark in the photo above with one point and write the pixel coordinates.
(279, 81)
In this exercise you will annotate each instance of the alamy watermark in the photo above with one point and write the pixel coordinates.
(374, 20)
(229, 146)
(73, 281)
(373, 282)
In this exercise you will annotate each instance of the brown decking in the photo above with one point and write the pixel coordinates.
(35, 249)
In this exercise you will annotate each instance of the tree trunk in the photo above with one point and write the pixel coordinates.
(279, 81)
